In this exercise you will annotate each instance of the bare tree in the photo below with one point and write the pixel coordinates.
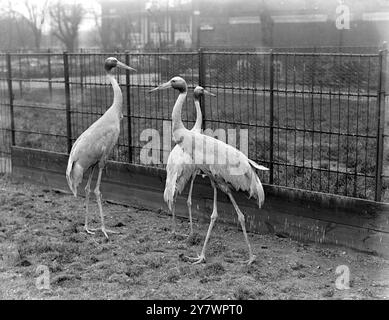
(66, 20)
(35, 17)
(14, 31)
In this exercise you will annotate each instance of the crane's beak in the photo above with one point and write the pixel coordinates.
(165, 85)
(209, 93)
(124, 66)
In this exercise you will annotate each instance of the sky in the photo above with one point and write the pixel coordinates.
(90, 6)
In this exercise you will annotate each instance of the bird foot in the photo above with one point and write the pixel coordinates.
(197, 260)
(249, 261)
(87, 230)
(104, 231)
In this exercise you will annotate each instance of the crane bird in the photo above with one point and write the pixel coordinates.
(226, 166)
(94, 145)
(180, 167)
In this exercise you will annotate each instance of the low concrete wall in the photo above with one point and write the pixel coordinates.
(299, 214)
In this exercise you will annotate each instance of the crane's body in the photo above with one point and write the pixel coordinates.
(180, 167)
(223, 163)
(226, 167)
(94, 145)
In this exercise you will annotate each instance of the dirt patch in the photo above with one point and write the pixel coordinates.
(40, 227)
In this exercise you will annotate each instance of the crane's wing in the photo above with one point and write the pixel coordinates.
(94, 143)
(225, 163)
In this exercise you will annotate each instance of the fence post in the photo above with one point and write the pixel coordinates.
(49, 73)
(11, 97)
(381, 121)
(67, 100)
(20, 76)
(129, 129)
(81, 61)
(202, 82)
(271, 79)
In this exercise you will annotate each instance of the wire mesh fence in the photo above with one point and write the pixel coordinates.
(316, 119)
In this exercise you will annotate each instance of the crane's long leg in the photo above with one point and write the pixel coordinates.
(98, 197)
(242, 223)
(87, 192)
(174, 214)
(189, 203)
(201, 257)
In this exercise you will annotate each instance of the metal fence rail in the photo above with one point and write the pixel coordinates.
(316, 119)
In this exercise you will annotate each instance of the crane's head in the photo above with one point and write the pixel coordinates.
(176, 83)
(200, 91)
(112, 62)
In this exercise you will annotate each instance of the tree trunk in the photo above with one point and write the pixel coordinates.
(38, 38)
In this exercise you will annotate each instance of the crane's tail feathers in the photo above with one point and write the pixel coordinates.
(170, 189)
(74, 173)
(256, 190)
(68, 176)
(257, 166)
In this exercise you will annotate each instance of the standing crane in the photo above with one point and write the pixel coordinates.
(94, 145)
(226, 166)
(180, 167)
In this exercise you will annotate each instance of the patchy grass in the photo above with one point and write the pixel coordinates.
(244, 293)
(214, 269)
(42, 227)
(194, 239)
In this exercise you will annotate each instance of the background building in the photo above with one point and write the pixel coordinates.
(235, 24)
(138, 24)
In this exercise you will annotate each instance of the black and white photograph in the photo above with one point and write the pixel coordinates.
(194, 154)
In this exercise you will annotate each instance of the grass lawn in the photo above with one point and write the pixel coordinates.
(43, 227)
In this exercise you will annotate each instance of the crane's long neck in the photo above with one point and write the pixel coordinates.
(117, 96)
(199, 116)
(176, 114)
